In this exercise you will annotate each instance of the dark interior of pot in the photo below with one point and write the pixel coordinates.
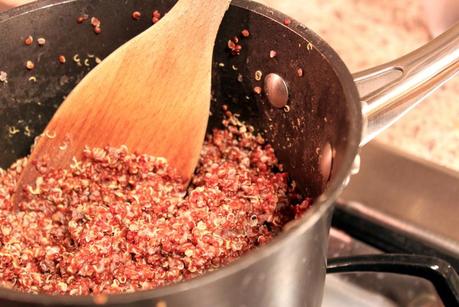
(308, 135)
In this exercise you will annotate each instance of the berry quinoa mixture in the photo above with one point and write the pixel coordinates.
(119, 222)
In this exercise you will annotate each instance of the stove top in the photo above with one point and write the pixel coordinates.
(372, 289)
(402, 204)
(396, 204)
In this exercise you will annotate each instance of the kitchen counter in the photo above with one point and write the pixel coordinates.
(371, 32)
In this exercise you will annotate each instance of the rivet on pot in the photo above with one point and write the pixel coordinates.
(346, 181)
(100, 299)
(161, 304)
(356, 166)
(326, 161)
(276, 90)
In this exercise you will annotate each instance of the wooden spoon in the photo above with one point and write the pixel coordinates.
(151, 94)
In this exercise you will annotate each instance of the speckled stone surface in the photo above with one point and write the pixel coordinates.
(370, 32)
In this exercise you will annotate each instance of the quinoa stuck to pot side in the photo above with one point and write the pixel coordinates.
(118, 222)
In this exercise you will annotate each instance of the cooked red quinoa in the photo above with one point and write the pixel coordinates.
(120, 222)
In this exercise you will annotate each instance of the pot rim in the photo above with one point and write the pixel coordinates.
(320, 207)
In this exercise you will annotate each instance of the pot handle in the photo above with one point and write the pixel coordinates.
(392, 89)
(440, 273)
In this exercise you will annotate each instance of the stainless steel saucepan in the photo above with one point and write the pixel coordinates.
(314, 112)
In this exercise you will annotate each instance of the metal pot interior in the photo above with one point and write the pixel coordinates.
(316, 137)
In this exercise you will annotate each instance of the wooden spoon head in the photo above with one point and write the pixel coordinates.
(152, 95)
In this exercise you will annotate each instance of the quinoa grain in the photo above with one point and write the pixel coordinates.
(117, 222)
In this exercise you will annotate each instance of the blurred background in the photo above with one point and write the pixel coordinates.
(370, 32)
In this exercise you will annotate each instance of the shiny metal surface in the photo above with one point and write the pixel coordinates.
(276, 90)
(341, 292)
(356, 165)
(370, 289)
(390, 90)
(290, 270)
(271, 281)
(401, 192)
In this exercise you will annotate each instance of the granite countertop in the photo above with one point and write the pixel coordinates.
(366, 33)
